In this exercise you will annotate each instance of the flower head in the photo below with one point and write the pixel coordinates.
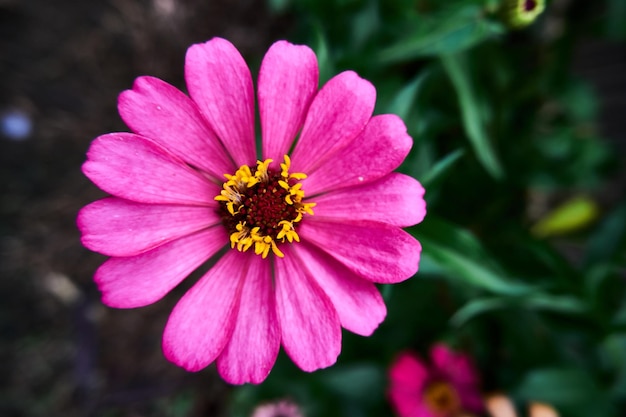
(521, 13)
(446, 388)
(299, 234)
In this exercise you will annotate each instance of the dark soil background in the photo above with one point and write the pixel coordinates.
(63, 63)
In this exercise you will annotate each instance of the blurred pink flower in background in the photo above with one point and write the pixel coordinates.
(448, 387)
(302, 233)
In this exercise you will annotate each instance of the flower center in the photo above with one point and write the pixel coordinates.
(442, 399)
(529, 5)
(260, 207)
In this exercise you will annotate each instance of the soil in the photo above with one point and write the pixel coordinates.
(63, 63)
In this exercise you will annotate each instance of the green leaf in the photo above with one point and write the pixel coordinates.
(356, 381)
(574, 214)
(403, 101)
(278, 6)
(475, 308)
(441, 168)
(572, 390)
(619, 318)
(555, 303)
(386, 291)
(325, 63)
(607, 239)
(456, 237)
(615, 18)
(365, 24)
(473, 123)
(462, 257)
(471, 271)
(538, 301)
(457, 30)
(611, 352)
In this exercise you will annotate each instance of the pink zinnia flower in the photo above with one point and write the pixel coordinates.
(299, 235)
(448, 388)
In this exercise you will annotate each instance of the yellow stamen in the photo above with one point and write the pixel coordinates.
(288, 232)
(261, 170)
(298, 176)
(442, 399)
(277, 251)
(285, 167)
(236, 198)
(307, 208)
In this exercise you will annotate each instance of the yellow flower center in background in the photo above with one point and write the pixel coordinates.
(261, 207)
(442, 399)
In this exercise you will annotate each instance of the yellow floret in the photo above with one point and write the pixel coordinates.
(234, 193)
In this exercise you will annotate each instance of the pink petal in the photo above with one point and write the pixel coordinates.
(219, 81)
(409, 405)
(254, 344)
(407, 378)
(379, 149)
(137, 169)
(140, 280)
(471, 399)
(337, 115)
(161, 112)
(357, 302)
(375, 251)
(457, 367)
(287, 83)
(203, 320)
(460, 370)
(408, 373)
(310, 328)
(117, 227)
(396, 199)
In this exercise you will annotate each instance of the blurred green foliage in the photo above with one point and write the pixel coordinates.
(502, 127)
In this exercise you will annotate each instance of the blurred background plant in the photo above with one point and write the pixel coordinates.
(519, 139)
